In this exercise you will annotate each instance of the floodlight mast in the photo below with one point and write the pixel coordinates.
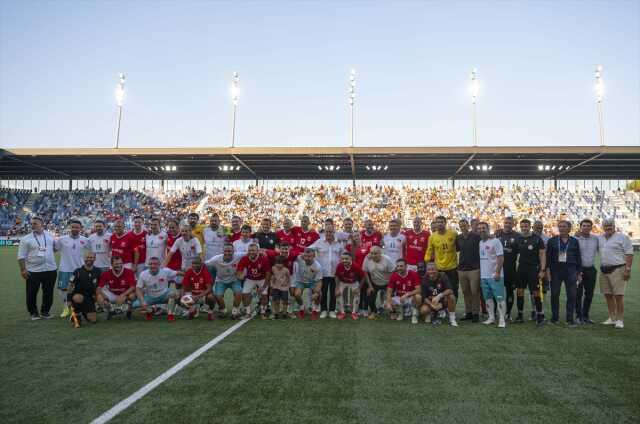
(119, 103)
(599, 89)
(234, 101)
(474, 88)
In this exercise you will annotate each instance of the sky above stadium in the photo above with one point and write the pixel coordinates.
(59, 63)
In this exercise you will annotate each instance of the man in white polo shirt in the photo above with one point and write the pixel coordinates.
(38, 267)
(328, 250)
(616, 258)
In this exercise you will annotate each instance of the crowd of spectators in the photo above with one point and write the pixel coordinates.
(11, 213)
(378, 203)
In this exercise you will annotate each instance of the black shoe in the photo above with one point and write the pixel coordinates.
(109, 315)
(466, 317)
(571, 324)
(129, 314)
(46, 315)
(541, 323)
(475, 318)
(519, 319)
(534, 316)
(587, 321)
(35, 317)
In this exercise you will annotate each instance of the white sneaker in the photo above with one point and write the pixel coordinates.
(332, 314)
(414, 319)
(619, 324)
(323, 314)
(502, 324)
(453, 323)
(609, 321)
(489, 321)
(400, 317)
(427, 319)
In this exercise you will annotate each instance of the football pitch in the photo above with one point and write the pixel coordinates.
(317, 372)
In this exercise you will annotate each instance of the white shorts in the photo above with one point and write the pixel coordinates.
(352, 286)
(395, 300)
(109, 295)
(249, 285)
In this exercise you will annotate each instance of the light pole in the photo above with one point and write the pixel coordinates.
(352, 100)
(474, 88)
(599, 88)
(234, 101)
(119, 103)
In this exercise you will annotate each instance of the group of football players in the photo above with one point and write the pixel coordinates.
(415, 273)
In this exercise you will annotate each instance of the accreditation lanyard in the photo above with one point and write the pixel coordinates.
(41, 249)
(562, 250)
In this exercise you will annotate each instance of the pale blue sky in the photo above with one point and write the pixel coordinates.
(59, 63)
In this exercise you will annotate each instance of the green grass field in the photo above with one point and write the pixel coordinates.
(317, 372)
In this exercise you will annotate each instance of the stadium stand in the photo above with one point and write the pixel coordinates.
(379, 203)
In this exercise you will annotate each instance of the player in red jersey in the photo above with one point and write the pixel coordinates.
(198, 283)
(122, 244)
(139, 237)
(288, 233)
(404, 285)
(173, 234)
(236, 229)
(370, 237)
(254, 269)
(117, 287)
(417, 242)
(348, 276)
(306, 235)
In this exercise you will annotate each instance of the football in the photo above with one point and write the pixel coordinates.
(187, 300)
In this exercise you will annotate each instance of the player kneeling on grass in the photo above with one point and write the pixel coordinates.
(117, 288)
(197, 290)
(280, 283)
(307, 274)
(254, 269)
(153, 289)
(349, 276)
(224, 266)
(82, 290)
(404, 285)
(436, 295)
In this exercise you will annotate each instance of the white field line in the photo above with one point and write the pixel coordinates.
(125, 403)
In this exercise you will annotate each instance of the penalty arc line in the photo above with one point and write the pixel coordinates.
(137, 395)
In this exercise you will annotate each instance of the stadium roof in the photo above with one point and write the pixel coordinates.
(317, 163)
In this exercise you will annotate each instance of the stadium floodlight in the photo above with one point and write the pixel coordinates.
(338, 168)
(237, 167)
(119, 103)
(599, 89)
(368, 169)
(474, 89)
(540, 167)
(235, 91)
(386, 167)
(319, 168)
(174, 168)
(351, 98)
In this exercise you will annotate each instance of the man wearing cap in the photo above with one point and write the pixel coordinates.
(616, 258)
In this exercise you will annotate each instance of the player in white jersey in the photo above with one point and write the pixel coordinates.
(99, 243)
(307, 274)
(223, 268)
(156, 242)
(71, 248)
(153, 289)
(214, 238)
(188, 245)
(394, 242)
(241, 246)
(491, 274)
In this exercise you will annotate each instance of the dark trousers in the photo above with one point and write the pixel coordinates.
(584, 294)
(371, 299)
(452, 275)
(48, 280)
(328, 294)
(568, 275)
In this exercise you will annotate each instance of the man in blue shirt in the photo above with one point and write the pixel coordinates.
(564, 264)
